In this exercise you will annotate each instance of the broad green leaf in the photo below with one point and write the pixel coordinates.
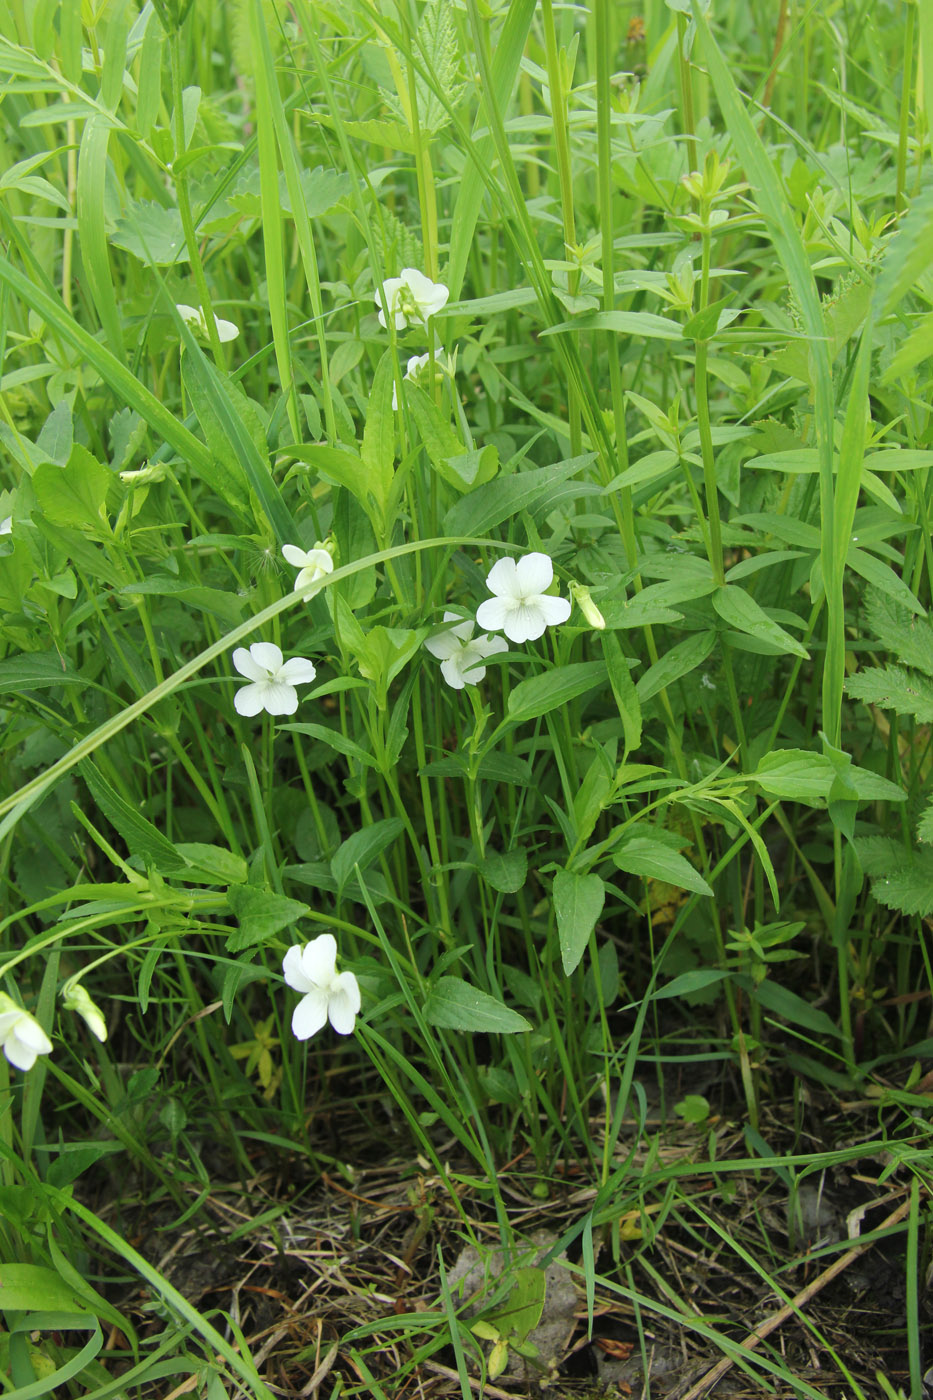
(152, 233)
(334, 739)
(76, 494)
(363, 848)
(261, 915)
(35, 670)
(56, 439)
(141, 837)
(623, 689)
(454, 1005)
(739, 610)
(342, 466)
(214, 864)
(800, 776)
(578, 903)
(90, 204)
(679, 661)
(555, 688)
(32, 1288)
(653, 859)
(227, 606)
(782, 1002)
(450, 458)
(882, 576)
(505, 871)
(697, 980)
(507, 496)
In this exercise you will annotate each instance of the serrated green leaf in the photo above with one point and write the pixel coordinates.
(578, 903)
(151, 233)
(893, 688)
(908, 637)
(454, 1005)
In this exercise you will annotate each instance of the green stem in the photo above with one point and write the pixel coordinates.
(184, 206)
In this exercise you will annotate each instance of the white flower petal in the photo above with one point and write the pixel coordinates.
(443, 646)
(501, 580)
(19, 1055)
(492, 614)
(226, 330)
(250, 699)
(293, 971)
(344, 1003)
(268, 655)
(490, 646)
(319, 959)
(297, 671)
(535, 574)
(6, 525)
(450, 670)
(524, 623)
(30, 1033)
(279, 698)
(554, 610)
(294, 555)
(310, 1014)
(191, 315)
(244, 663)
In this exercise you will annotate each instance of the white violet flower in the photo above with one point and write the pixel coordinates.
(313, 563)
(22, 1038)
(193, 317)
(328, 994)
(77, 998)
(521, 608)
(410, 297)
(6, 526)
(462, 658)
(272, 679)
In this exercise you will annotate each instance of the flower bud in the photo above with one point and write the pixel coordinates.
(581, 596)
(76, 998)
